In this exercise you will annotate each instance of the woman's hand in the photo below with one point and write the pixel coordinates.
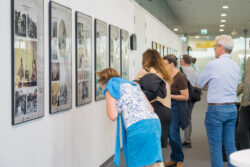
(111, 107)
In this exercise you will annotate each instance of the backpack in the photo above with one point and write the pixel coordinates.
(194, 92)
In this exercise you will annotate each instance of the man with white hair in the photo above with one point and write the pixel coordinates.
(221, 77)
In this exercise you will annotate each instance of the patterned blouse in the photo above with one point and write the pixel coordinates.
(133, 105)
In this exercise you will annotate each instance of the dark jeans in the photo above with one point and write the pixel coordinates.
(243, 128)
(175, 139)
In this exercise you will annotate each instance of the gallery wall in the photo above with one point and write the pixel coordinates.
(81, 136)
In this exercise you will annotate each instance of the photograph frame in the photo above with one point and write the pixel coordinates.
(154, 45)
(100, 53)
(115, 47)
(60, 58)
(27, 45)
(125, 53)
(83, 44)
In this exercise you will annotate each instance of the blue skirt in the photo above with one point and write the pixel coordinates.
(142, 143)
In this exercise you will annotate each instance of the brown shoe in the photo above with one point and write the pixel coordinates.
(170, 163)
(180, 164)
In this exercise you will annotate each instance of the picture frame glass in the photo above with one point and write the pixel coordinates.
(114, 48)
(83, 59)
(125, 54)
(27, 60)
(101, 56)
(60, 58)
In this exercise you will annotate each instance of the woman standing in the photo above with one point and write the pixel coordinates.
(180, 114)
(153, 63)
(141, 128)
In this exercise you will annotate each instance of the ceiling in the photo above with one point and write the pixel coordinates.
(190, 16)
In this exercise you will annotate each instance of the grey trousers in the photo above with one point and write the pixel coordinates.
(188, 130)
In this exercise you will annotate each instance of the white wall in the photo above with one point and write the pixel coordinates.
(82, 136)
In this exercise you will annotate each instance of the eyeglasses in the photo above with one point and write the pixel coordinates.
(216, 46)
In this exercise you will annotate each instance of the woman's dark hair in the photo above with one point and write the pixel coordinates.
(171, 59)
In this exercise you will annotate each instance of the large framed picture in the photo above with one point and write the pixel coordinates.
(83, 58)
(125, 54)
(165, 52)
(27, 60)
(101, 56)
(114, 48)
(60, 57)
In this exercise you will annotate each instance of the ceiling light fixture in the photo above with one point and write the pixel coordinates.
(223, 15)
(223, 21)
(197, 36)
(225, 7)
(221, 30)
(222, 25)
(176, 29)
(234, 32)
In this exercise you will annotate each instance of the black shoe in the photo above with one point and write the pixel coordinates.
(186, 144)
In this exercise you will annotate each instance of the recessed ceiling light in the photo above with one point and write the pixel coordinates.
(223, 21)
(222, 25)
(241, 37)
(197, 36)
(221, 30)
(225, 7)
(223, 15)
(176, 29)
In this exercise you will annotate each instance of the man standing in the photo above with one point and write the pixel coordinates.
(244, 114)
(192, 76)
(221, 77)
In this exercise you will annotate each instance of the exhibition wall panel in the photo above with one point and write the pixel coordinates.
(82, 135)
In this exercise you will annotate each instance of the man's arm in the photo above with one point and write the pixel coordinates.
(205, 76)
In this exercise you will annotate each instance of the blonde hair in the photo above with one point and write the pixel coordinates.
(107, 74)
(152, 59)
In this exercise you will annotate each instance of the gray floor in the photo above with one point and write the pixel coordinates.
(198, 155)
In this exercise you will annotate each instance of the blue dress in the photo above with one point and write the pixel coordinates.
(141, 129)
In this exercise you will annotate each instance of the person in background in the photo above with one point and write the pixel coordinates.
(180, 113)
(153, 63)
(244, 114)
(193, 65)
(141, 129)
(221, 76)
(192, 76)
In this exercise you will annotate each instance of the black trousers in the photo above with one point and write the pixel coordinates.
(165, 115)
(243, 128)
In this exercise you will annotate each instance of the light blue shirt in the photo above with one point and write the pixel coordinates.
(222, 76)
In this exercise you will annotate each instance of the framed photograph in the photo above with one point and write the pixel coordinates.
(27, 60)
(159, 48)
(60, 57)
(83, 58)
(154, 46)
(165, 52)
(101, 56)
(125, 54)
(114, 48)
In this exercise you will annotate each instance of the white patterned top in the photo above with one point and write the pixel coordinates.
(133, 105)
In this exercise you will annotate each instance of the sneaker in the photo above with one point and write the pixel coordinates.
(186, 144)
(170, 163)
(180, 164)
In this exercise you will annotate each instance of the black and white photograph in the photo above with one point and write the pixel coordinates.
(27, 47)
(84, 59)
(31, 27)
(101, 56)
(20, 23)
(60, 62)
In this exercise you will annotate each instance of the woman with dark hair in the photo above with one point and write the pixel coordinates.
(153, 64)
(141, 127)
(180, 114)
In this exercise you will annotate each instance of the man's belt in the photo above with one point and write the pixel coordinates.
(218, 104)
